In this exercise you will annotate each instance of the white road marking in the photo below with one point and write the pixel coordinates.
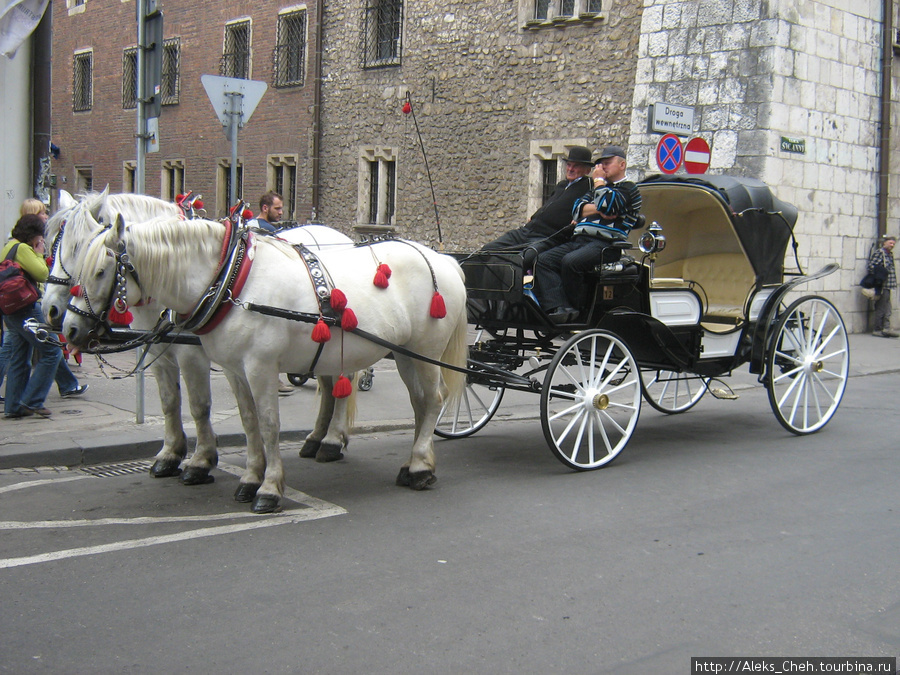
(315, 509)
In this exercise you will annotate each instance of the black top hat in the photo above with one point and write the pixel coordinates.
(579, 154)
(612, 151)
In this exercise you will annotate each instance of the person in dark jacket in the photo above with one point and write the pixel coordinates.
(881, 265)
(539, 233)
(604, 215)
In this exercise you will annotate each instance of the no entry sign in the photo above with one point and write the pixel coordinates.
(669, 153)
(696, 156)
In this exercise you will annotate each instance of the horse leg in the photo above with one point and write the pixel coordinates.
(256, 459)
(264, 390)
(168, 460)
(423, 381)
(326, 409)
(195, 371)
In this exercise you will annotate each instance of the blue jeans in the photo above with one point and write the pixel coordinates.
(24, 387)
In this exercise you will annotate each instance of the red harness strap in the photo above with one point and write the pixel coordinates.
(240, 278)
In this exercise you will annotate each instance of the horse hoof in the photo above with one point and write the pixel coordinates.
(246, 492)
(310, 448)
(266, 504)
(197, 475)
(421, 479)
(165, 468)
(403, 477)
(329, 452)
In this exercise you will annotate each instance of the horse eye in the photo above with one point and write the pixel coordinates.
(100, 272)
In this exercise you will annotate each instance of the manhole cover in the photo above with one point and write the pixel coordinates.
(110, 470)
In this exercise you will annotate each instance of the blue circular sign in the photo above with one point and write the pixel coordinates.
(669, 153)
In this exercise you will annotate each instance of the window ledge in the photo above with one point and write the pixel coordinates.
(586, 18)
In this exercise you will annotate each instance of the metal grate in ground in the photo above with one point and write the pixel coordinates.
(111, 470)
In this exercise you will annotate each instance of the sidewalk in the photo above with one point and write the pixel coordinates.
(101, 426)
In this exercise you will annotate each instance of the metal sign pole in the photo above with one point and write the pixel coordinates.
(139, 168)
(234, 113)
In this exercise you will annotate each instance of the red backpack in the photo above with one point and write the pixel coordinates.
(16, 290)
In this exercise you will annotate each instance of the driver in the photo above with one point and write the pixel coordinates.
(603, 216)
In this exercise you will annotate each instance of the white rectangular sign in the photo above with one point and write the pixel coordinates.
(667, 118)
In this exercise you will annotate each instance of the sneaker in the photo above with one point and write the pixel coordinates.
(77, 391)
(879, 333)
(889, 333)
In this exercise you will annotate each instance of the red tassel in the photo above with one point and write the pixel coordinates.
(198, 204)
(385, 270)
(120, 318)
(348, 320)
(75, 291)
(342, 388)
(381, 279)
(407, 108)
(321, 333)
(438, 308)
(338, 300)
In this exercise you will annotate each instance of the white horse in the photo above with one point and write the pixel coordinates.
(177, 262)
(69, 231)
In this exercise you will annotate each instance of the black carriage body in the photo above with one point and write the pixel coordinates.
(690, 307)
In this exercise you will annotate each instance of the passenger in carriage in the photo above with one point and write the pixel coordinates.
(271, 210)
(538, 234)
(603, 216)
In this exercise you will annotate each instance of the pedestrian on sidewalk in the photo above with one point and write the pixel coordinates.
(881, 265)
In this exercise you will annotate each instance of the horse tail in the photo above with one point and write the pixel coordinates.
(456, 353)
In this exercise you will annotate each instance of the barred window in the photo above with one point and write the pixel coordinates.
(223, 186)
(282, 178)
(129, 78)
(545, 10)
(378, 186)
(549, 178)
(82, 81)
(84, 179)
(170, 82)
(382, 25)
(236, 51)
(129, 169)
(289, 56)
(172, 179)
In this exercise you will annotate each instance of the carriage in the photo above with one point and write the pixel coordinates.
(699, 292)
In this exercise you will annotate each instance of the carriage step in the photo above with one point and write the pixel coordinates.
(723, 393)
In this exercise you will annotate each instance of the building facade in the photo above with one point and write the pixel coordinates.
(446, 122)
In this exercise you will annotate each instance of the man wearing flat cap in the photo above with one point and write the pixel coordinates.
(555, 214)
(603, 216)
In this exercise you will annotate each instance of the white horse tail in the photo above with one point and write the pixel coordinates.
(456, 354)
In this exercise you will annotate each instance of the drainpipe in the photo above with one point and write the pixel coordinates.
(884, 141)
(41, 49)
(317, 112)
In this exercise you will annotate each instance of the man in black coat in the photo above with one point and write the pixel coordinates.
(556, 213)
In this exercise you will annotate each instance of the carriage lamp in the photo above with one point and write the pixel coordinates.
(652, 241)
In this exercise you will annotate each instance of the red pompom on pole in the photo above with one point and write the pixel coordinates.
(438, 308)
(342, 388)
(348, 320)
(321, 332)
(198, 204)
(407, 107)
(247, 214)
(338, 300)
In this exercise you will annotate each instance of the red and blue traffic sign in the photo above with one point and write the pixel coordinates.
(669, 153)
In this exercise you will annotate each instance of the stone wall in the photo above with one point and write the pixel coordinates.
(757, 72)
(483, 89)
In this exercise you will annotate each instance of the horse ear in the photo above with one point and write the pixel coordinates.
(66, 200)
(116, 232)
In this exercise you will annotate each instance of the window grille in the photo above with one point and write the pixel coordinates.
(382, 25)
(172, 179)
(545, 10)
(289, 56)
(170, 82)
(84, 179)
(549, 178)
(236, 54)
(129, 78)
(283, 180)
(82, 81)
(223, 186)
(382, 191)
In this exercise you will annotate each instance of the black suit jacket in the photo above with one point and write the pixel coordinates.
(556, 212)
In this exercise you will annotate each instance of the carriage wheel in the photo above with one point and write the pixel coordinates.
(807, 365)
(591, 400)
(471, 412)
(671, 392)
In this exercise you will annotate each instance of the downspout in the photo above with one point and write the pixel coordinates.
(41, 52)
(884, 141)
(317, 113)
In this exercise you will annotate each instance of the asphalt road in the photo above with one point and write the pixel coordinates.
(715, 533)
